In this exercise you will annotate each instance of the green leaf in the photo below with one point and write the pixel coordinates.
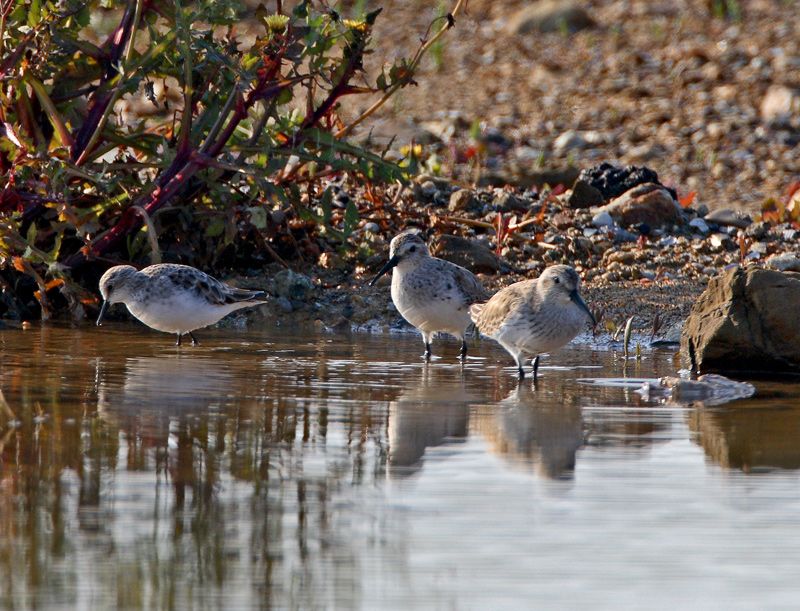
(215, 228)
(83, 16)
(258, 217)
(351, 217)
(35, 13)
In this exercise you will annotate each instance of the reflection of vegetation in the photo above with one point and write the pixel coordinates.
(202, 106)
(171, 497)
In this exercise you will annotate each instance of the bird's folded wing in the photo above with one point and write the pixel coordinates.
(490, 316)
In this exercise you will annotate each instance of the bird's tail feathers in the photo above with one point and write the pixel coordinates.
(475, 311)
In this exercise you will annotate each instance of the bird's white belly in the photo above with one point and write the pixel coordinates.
(433, 316)
(535, 341)
(180, 314)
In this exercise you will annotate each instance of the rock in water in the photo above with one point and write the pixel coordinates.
(746, 321)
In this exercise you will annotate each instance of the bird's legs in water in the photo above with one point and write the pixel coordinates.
(463, 353)
(194, 339)
(427, 339)
(520, 358)
(535, 367)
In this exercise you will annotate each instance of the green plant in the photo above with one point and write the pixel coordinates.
(170, 136)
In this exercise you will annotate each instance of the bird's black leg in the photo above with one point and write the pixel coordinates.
(520, 366)
(427, 354)
(535, 367)
(195, 342)
(463, 353)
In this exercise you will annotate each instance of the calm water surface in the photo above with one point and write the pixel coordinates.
(303, 471)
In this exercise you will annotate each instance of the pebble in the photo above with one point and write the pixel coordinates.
(700, 225)
(284, 304)
(603, 219)
(728, 217)
(720, 241)
(372, 227)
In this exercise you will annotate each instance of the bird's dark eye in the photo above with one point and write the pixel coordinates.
(412, 249)
(557, 280)
(110, 287)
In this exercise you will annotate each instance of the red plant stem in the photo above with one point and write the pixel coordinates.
(183, 167)
(103, 96)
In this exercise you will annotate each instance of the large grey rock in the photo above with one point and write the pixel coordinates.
(550, 16)
(470, 254)
(745, 321)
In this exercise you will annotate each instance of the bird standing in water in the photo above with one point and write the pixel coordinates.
(432, 294)
(535, 316)
(173, 298)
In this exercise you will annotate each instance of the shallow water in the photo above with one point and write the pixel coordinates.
(338, 471)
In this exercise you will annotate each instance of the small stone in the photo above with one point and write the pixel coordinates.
(720, 241)
(584, 195)
(428, 188)
(278, 217)
(603, 219)
(550, 16)
(284, 304)
(728, 217)
(700, 225)
(786, 262)
(780, 105)
(462, 199)
(757, 231)
(568, 141)
(372, 227)
(329, 260)
(506, 201)
(291, 285)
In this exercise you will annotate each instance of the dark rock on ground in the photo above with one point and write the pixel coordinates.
(291, 286)
(585, 195)
(467, 253)
(463, 199)
(612, 181)
(745, 321)
(728, 218)
(647, 204)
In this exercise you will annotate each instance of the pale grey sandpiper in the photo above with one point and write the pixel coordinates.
(173, 298)
(432, 294)
(535, 316)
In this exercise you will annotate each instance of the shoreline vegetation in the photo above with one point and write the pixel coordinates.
(251, 145)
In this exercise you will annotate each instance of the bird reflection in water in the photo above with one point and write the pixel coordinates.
(434, 412)
(538, 427)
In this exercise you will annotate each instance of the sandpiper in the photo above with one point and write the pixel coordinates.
(534, 316)
(432, 294)
(173, 298)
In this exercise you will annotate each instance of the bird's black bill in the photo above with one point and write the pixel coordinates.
(576, 299)
(103, 309)
(389, 265)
